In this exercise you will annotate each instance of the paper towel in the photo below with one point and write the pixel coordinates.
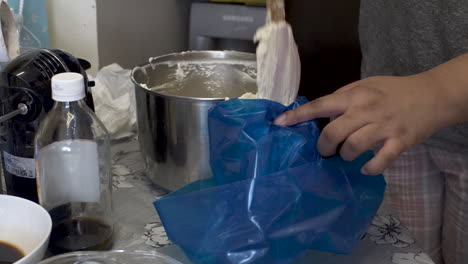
(114, 99)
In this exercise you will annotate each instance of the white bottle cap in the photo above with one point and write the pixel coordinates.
(68, 87)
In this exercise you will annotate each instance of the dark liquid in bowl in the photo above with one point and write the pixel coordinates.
(9, 253)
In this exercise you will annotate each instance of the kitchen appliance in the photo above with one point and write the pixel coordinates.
(25, 95)
(172, 114)
(215, 26)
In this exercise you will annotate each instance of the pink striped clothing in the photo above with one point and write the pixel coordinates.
(428, 191)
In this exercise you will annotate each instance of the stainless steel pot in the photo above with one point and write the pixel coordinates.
(172, 113)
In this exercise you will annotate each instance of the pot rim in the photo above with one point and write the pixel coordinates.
(209, 54)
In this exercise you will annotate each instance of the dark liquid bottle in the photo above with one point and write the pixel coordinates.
(21, 187)
(77, 233)
(73, 170)
(18, 159)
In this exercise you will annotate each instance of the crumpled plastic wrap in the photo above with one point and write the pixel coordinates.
(114, 99)
(272, 197)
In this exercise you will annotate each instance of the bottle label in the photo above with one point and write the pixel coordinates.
(21, 167)
(68, 171)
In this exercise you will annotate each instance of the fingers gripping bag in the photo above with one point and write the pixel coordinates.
(271, 196)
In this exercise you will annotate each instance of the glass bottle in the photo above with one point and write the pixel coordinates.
(72, 154)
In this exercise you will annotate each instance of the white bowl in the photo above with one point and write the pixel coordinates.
(112, 257)
(26, 225)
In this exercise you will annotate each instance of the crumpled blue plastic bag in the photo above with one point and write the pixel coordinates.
(244, 143)
(271, 197)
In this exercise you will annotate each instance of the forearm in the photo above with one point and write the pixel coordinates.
(450, 81)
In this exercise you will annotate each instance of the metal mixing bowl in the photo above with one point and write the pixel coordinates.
(173, 95)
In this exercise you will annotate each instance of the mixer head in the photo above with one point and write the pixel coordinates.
(26, 80)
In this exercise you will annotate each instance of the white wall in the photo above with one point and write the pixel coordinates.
(122, 31)
(129, 32)
(72, 28)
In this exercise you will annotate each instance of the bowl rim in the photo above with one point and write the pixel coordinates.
(42, 210)
(112, 253)
(207, 55)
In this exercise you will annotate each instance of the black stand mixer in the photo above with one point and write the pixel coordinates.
(25, 94)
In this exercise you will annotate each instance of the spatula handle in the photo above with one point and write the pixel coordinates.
(276, 10)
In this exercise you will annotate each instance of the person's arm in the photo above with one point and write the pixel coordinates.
(395, 113)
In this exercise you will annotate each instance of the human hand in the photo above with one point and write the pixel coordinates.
(395, 113)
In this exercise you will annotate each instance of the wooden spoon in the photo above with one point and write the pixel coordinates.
(276, 10)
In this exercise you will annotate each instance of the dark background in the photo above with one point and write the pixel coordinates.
(326, 33)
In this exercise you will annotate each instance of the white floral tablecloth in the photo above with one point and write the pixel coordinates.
(138, 226)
